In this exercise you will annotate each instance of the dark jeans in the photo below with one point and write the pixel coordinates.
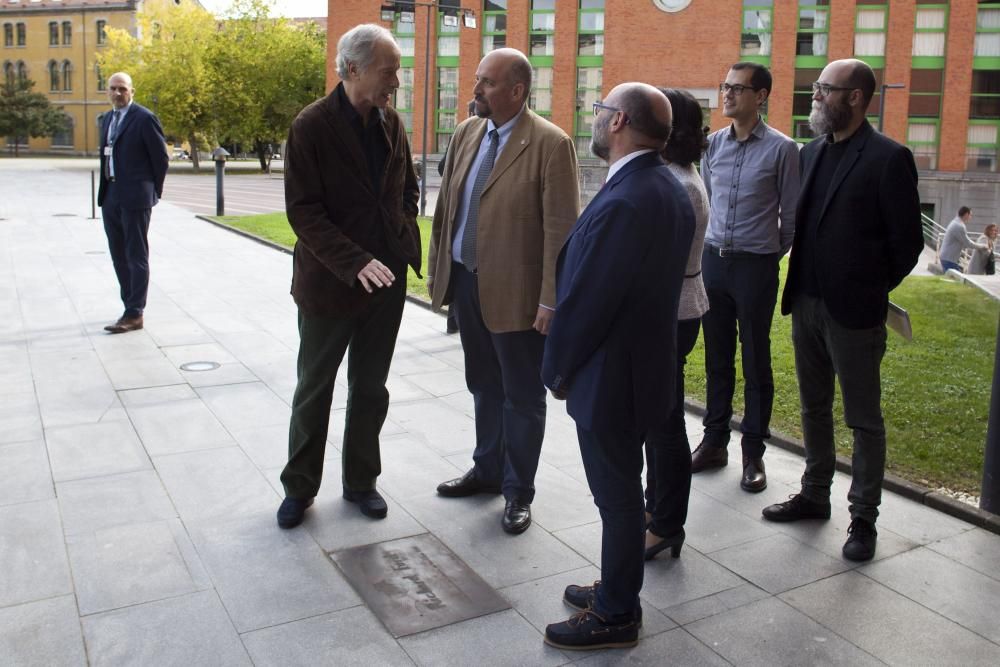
(668, 453)
(613, 463)
(823, 349)
(503, 373)
(126, 230)
(370, 337)
(742, 292)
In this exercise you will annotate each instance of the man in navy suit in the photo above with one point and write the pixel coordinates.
(133, 166)
(611, 349)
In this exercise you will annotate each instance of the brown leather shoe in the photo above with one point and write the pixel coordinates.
(754, 478)
(707, 457)
(125, 324)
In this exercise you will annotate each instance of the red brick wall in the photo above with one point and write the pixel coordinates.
(898, 57)
(957, 85)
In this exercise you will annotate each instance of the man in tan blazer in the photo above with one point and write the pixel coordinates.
(508, 199)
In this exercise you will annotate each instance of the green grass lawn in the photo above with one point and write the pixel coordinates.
(936, 388)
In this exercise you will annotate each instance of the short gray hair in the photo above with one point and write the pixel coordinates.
(357, 46)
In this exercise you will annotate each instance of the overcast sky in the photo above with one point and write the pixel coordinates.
(290, 8)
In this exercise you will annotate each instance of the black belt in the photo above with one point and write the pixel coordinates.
(729, 252)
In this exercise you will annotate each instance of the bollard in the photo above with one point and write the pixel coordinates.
(93, 197)
(219, 155)
(989, 497)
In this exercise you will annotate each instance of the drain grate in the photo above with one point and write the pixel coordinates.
(65, 215)
(200, 366)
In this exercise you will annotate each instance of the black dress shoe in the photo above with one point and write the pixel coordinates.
(292, 510)
(125, 324)
(707, 457)
(466, 485)
(754, 478)
(795, 508)
(371, 502)
(673, 542)
(861, 538)
(516, 517)
(580, 597)
(587, 630)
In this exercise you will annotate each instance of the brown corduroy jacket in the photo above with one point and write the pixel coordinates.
(336, 215)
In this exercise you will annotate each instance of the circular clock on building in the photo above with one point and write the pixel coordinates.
(671, 5)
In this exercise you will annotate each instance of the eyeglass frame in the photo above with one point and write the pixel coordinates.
(818, 87)
(736, 89)
(598, 106)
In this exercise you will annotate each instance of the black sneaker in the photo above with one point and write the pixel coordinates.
(292, 511)
(861, 538)
(587, 630)
(795, 508)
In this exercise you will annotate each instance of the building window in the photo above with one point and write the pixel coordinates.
(53, 33)
(922, 138)
(67, 76)
(53, 76)
(448, 39)
(811, 38)
(802, 95)
(588, 90)
(929, 36)
(447, 106)
(756, 39)
(542, 33)
(926, 86)
(869, 33)
(22, 33)
(64, 137)
(987, 42)
(403, 32)
(8, 73)
(22, 72)
(981, 154)
(102, 83)
(404, 98)
(67, 33)
(102, 35)
(590, 33)
(541, 91)
(494, 25)
(8, 34)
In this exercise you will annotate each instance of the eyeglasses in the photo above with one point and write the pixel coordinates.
(598, 106)
(824, 89)
(120, 89)
(735, 89)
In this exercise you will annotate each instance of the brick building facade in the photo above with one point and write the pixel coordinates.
(946, 56)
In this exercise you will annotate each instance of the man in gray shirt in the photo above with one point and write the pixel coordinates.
(956, 239)
(751, 173)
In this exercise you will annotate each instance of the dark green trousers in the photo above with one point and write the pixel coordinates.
(369, 339)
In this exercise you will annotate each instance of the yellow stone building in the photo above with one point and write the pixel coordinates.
(54, 43)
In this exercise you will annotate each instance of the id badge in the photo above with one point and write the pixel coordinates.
(107, 151)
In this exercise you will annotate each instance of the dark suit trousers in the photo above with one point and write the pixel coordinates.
(742, 292)
(126, 230)
(613, 463)
(369, 338)
(824, 349)
(503, 373)
(668, 453)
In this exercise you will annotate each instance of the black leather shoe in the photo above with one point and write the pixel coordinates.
(581, 597)
(125, 324)
(516, 517)
(292, 510)
(586, 630)
(861, 538)
(371, 502)
(795, 508)
(707, 457)
(673, 542)
(754, 478)
(466, 485)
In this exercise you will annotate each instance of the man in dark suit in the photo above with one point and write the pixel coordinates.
(133, 166)
(611, 348)
(858, 236)
(351, 198)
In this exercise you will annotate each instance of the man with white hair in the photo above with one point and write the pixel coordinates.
(351, 198)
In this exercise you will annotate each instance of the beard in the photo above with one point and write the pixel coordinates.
(482, 108)
(829, 118)
(599, 138)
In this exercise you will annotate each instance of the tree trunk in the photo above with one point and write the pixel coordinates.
(258, 147)
(194, 152)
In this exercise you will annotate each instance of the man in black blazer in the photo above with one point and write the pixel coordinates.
(133, 166)
(611, 348)
(858, 235)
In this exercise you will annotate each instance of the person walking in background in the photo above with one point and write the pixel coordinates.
(133, 167)
(668, 453)
(612, 349)
(351, 197)
(956, 239)
(982, 261)
(509, 197)
(859, 235)
(751, 174)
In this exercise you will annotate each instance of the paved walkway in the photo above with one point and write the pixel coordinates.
(137, 499)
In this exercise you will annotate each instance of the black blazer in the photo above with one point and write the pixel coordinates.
(618, 282)
(140, 155)
(869, 235)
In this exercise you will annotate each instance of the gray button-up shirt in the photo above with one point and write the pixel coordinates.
(753, 187)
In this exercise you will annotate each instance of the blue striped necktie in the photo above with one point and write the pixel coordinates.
(469, 259)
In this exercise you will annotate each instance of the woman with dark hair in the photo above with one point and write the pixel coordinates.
(668, 454)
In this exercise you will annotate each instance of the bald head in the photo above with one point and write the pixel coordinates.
(503, 81)
(120, 90)
(648, 111)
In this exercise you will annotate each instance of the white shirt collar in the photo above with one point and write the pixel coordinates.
(622, 161)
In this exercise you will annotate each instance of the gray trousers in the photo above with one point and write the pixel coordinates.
(824, 349)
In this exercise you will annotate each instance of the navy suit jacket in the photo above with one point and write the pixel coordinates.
(612, 343)
(869, 235)
(140, 155)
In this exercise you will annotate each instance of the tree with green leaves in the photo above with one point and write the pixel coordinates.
(24, 113)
